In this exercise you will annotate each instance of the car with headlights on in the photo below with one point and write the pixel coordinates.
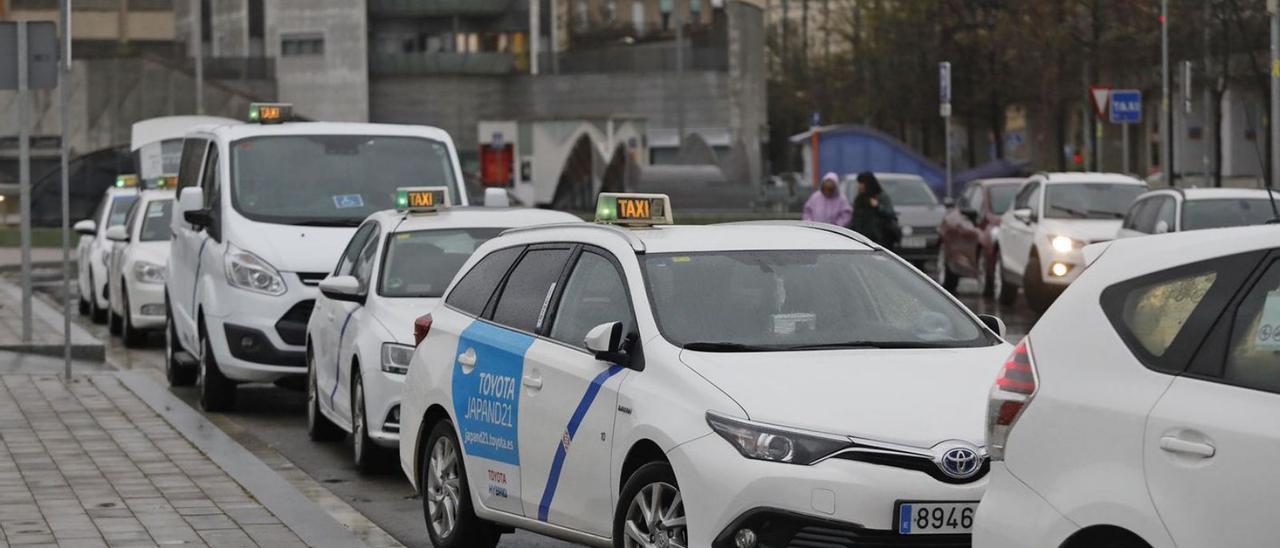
(137, 267)
(636, 383)
(360, 335)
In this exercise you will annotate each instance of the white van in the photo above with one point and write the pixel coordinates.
(264, 210)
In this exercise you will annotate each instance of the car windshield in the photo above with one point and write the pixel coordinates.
(1002, 197)
(423, 262)
(332, 180)
(120, 209)
(1222, 213)
(1090, 200)
(155, 225)
(801, 300)
(909, 192)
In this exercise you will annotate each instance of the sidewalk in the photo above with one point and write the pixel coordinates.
(89, 463)
(46, 328)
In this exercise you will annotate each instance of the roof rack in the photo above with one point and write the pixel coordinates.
(636, 243)
(825, 227)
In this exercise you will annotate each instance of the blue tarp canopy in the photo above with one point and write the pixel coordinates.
(848, 149)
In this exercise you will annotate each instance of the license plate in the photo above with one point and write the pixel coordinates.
(915, 242)
(935, 518)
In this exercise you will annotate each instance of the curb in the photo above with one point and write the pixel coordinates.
(312, 524)
(36, 265)
(84, 346)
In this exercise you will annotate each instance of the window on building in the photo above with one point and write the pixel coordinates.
(301, 44)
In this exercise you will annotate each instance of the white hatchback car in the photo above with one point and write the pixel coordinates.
(1053, 216)
(138, 263)
(1141, 409)
(1177, 209)
(742, 385)
(93, 249)
(360, 336)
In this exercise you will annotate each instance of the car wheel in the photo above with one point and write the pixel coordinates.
(650, 510)
(946, 277)
(1038, 296)
(446, 498)
(217, 392)
(366, 454)
(319, 427)
(96, 313)
(985, 277)
(84, 306)
(1005, 292)
(113, 321)
(177, 374)
(131, 336)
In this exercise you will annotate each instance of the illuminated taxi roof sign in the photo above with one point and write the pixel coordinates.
(422, 199)
(163, 181)
(270, 113)
(633, 209)
(126, 180)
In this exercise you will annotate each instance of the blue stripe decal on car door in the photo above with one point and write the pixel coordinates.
(562, 448)
(337, 362)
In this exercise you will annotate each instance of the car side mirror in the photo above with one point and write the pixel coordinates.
(949, 202)
(606, 342)
(993, 323)
(1024, 215)
(86, 227)
(189, 199)
(343, 288)
(117, 233)
(970, 213)
(198, 218)
(1162, 227)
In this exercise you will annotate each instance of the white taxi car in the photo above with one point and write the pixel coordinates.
(726, 386)
(263, 212)
(1160, 432)
(93, 249)
(360, 337)
(135, 281)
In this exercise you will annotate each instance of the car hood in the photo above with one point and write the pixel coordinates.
(397, 315)
(1088, 230)
(920, 215)
(910, 397)
(295, 248)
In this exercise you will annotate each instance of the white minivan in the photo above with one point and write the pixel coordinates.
(263, 212)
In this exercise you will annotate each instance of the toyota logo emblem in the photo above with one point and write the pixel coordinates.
(960, 462)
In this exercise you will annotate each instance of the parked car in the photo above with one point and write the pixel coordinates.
(1177, 210)
(968, 233)
(919, 213)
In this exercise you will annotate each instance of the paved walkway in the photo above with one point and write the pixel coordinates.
(46, 328)
(90, 464)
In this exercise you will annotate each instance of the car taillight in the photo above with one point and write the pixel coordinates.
(1013, 390)
(421, 327)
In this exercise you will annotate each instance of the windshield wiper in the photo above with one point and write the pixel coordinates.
(1071, 211)
(726, 347)
(329, 222)
(1112, 214)
(868, 344)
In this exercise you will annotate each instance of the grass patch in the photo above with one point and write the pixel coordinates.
(10, 236)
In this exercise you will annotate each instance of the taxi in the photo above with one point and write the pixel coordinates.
(94, 248)
(634, 383)
(135, 283)
(360, 335)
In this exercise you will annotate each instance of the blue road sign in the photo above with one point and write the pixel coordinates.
(1126, 106)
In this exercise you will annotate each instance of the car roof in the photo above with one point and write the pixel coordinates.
(1000, 181)
(1126, 257)
(115, 190)
(154, 130)
(240, 131)
(765, 235)
(1089, 177)
(151, 194)
(471, 217)
(1225, 193)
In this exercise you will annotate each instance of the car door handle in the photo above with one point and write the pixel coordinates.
(533, 383)
(1174, 444)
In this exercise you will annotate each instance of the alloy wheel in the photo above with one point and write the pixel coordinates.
(444, 488)
(655, 518)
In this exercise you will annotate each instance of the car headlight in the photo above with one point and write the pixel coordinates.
(773, 443)
(1063, 244)
(396, 358)
(148, 273)
(247, 271)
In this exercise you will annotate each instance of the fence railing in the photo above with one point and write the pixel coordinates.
(422, 64)
(439, 7)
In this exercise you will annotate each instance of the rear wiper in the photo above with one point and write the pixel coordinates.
(329, 222)
(726, 347)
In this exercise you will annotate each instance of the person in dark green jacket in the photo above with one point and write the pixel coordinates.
(873, 213)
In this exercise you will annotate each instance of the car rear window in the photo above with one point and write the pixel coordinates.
(1222, 213)
(423, 262)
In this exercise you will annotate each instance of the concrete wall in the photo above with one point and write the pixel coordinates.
(230, 25)
(333, 86)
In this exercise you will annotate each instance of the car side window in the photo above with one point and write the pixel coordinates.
(979, 200)
(1131, 216)
(1033, 200)
(594, 294)
(132, 220)
(189, 167)
(471, 294)
(1166, 213)
(1253, 357)
(1144, 219)
(209, 181)
(352, 251)
(363, 268)
(527, 293)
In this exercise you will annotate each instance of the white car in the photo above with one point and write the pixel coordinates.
(1176, 210)
(743, 385)
(93, 248)
(360, 337)
(263, 213)
(135, 281)
(1052, 218)
(1140, 410)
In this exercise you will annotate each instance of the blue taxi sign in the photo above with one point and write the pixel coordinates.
(633, 209)
(421, 199)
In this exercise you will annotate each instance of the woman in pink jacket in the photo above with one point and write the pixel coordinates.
(828, 205)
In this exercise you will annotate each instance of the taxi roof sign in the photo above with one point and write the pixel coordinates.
(126, 180)
(422, 199)
(270, 113)
(631, 209)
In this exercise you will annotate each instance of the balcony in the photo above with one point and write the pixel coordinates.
(438, 8)
(427, 64)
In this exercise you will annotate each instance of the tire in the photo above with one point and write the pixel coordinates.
(217, 392)
(946, 277)
(1006, 293)
(444, 486)
(630, 528)
(1038, 295)
(985, 278)
(177, 374)
(132, 337)
(366, 454)
(84, 306)
(319, 427)
(96, 313)
(114, 322)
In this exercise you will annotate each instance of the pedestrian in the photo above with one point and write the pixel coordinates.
(828, 204)
(873, 213)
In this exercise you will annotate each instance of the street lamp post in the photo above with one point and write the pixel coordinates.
(1166, 114)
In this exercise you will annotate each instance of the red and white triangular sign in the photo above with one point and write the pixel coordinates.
(1101, 100)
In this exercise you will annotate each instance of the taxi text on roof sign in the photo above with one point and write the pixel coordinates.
(126, 180)
(633, 209)
(422, 198)
(270, 113)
